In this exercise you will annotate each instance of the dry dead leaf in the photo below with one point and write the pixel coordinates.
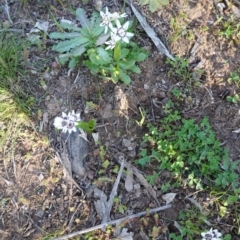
(168, 198)
(144, 182)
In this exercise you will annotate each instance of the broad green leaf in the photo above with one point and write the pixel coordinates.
(95, 59)
(63, 60)
(97, 30)
(78, 51)
(135, 69)
(82, 18)
(142, 56)
(124, 52)
(69, 26)
(124, 77)
(127, 64)
(92, 67)
(102, 39)
(73, 62)
(85, 33)
(65, 35)
(87, 126)
(95, 16)
(114, 76)
(65, 46)
(103, 54)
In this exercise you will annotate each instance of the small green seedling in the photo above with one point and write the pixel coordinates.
(235, 77)
(143, 115)
(233, 99)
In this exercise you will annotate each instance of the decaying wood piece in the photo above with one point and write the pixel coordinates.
(150, 32)
(118, 221)
(77, 149)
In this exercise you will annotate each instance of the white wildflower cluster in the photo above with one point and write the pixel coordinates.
(212, 234)
(119, 32)
(67, 123)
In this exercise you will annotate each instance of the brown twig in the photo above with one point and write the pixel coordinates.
(137, 215)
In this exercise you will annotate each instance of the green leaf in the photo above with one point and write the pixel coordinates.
(124, 77)
(87, 126)
(105, 164)
(63, 58)
(64, 35)
(78, 51)
(142, 56)
(124, 53)
(127, 64)
(73, 62)
(95, 59)
(104, 56)
(65, 46)
(135, 69)
(114, 76)
(82, 18)
(69, 26)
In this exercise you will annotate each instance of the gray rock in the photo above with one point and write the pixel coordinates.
(77, 149)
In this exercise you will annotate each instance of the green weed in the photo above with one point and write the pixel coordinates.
(230, 29)
(233, 99)
(179, 70)
(12, 49)
(235, 77)
(190, 151)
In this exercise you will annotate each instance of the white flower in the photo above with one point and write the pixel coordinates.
(211, 235)
(60, 123)
(74, 116)
(108, 17)
(111, 44)
(70, 127)
(121, 31)
(114, 16)
(67, 123)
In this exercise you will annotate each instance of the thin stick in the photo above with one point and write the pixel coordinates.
(113, 194)
(74, 234)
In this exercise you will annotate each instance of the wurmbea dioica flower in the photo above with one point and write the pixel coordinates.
(67, 123)
(121, 31)
(111, 44)
(211, 235)
(108, 17)
(117, 33)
